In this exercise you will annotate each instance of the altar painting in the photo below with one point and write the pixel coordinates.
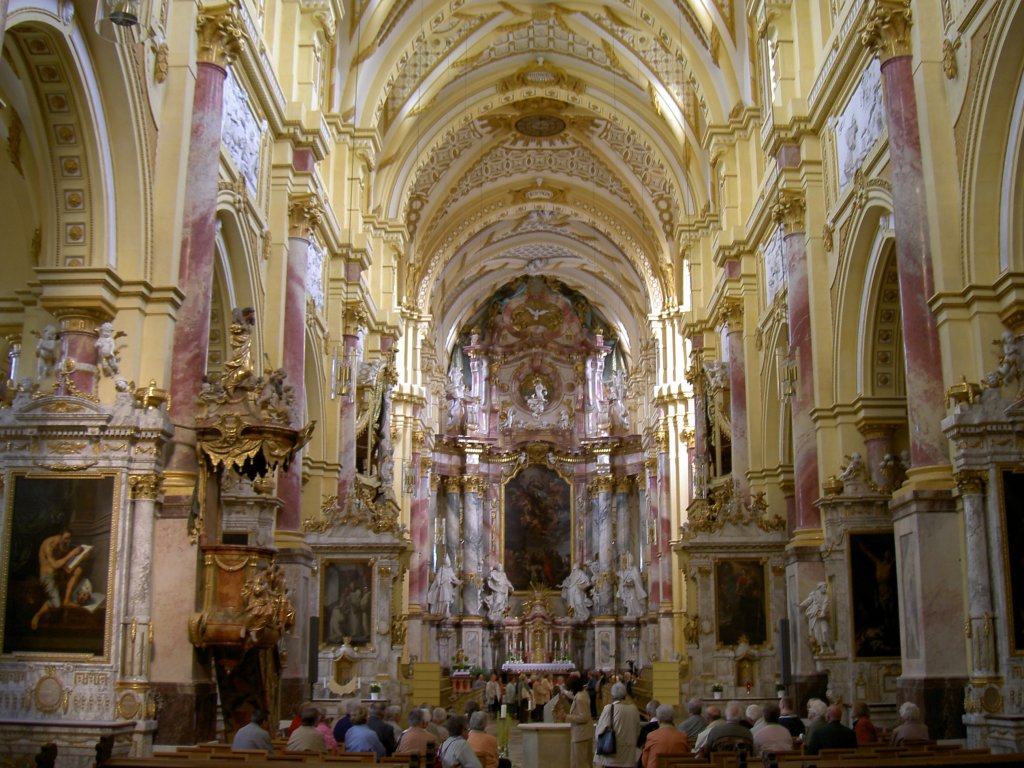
(1013, 553)
(346, 596)
(57, 581)
(874, 595)
(740, 602)
(538, 528)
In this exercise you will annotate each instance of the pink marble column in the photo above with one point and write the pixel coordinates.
(698, 454)
(888, 32)
(218, 36)
(732, 311)
(877, 444)
(304, 214)
(789, 211)
(78, 346)
(347, 418)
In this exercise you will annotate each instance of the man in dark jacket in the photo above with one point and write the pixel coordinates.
(384, 731)
(832, 735)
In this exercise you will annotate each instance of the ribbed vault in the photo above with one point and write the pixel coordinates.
(531, 137)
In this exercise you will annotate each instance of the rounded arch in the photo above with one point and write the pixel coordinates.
(993, 177)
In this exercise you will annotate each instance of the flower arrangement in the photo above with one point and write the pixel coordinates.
(779, 687)
(717, 688)
(374, 687)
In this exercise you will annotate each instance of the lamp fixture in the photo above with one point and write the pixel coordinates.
(123, 13)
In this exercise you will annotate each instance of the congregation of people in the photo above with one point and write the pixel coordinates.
(639, 737)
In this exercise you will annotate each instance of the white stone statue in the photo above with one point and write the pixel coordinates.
(574, 592)
(538, 401)
(854, 469)
(46, 352)
(455, 391)
(817, 610)
(441, 593)
(499, 588)
(631, 589)
(106, 350)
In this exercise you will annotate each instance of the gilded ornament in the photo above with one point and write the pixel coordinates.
(949, 65)
(161, 64)
(220, 35)
(788, 210)
(305, 213)
(886, 31)
(143, 487)
(14, 134)
(826, 237)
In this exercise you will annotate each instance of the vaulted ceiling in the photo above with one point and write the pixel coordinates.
(562, 139)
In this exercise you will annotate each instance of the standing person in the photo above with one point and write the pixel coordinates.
(911, 728)
(832, 734)
(592, 686)
(624, 719)
(492, 694)
(581, 732)
(483, 744)
(254, 735)
(862, 725)
(695, 723)
(455, 750)
(666, 738)
(525, 699)
(542, 689)
(512, 697)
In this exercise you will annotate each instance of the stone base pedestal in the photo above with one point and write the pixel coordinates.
(941, 700)
(1000, 733)
(186, 712)
(806, 687)
(76, 741)
(545, 744)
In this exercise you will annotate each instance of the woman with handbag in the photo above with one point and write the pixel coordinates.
(617, 730)
(581, 735)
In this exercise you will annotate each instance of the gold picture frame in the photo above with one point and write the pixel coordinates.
(57, 583)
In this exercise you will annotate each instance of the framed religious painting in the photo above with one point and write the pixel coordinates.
(346, 602)
(57, 573)
(1013, 555)
(740, 602)
(874, 596)
(537, 528)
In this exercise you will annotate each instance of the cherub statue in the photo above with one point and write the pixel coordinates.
(106, 349)
(46, 352)
(854, 469)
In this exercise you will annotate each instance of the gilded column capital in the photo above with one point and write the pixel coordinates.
(305, 212)
(877, 430)
(970, 481)
(452, 484)
(473, 484)
(435, 482)
(788, 210)
(886, 30)
(601, 484)
(355, 317)
(623, 484)
(143, 487)
(220, 33)
(731, 313)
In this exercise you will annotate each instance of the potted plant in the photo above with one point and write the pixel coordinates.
(780, 689)
(716, 690)
(374, 691)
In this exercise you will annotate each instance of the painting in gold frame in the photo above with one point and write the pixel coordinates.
(537, 527)
(740, 602)
(1013, 555)
(57, 575)
(874, 604)
(346, 602)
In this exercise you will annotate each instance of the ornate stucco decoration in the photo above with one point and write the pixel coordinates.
(541, 74)
(724, 508)
(221, 33)
(244, 419)
(859, 125)
(242, 131)
(886, 30)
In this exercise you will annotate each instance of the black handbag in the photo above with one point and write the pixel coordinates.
(606, 739)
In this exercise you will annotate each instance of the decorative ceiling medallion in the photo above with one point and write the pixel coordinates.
(540, 126)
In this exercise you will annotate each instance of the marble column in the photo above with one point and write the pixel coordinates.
(651, 522)
(887, 32)
(453, 521)
(472, 543)
(220, 33)
(78, 350)
(304, 213)
(419, 524)
(600, 489)
(732, 314)
(345, 387)
(971, 485)
(700, 463)
(789, 211)
(625, 534)
(877, 445)
(476, 411)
